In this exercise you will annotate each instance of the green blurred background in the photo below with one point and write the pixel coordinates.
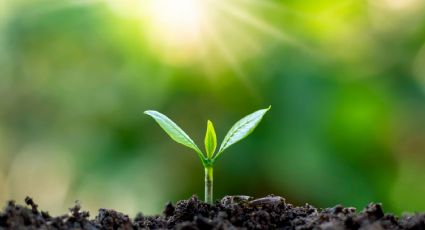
(345, 80)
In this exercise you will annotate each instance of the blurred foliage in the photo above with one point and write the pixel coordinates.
(345, 79)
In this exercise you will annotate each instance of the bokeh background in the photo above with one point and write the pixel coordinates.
(345, 79)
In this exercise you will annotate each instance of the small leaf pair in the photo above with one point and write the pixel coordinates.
(239, 131)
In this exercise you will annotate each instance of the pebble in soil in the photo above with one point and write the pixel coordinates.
(232, 212)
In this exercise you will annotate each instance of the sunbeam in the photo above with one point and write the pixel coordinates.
(261, 25)
(232, 61)
(183, 23)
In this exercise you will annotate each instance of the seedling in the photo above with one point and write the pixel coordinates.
(239, 131)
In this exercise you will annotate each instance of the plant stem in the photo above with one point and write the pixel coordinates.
(209, 184)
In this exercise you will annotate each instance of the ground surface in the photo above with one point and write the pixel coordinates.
(232, 212)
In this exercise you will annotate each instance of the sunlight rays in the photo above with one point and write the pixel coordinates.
(232, 61)
(261, 25)
(207, 14)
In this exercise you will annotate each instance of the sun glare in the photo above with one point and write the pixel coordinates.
(176, 25)
(182, 15)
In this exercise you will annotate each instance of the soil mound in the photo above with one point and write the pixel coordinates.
(232, 212)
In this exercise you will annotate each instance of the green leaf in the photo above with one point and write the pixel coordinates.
(210, 140)
(174, 131)
(242, 129)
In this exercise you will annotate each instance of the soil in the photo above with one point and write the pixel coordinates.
(232, 212)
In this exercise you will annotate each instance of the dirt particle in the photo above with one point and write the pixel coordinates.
(169, 209)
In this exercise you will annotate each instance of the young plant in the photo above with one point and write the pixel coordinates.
(239, 131)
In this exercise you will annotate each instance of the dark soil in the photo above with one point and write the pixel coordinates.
(232, 212)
